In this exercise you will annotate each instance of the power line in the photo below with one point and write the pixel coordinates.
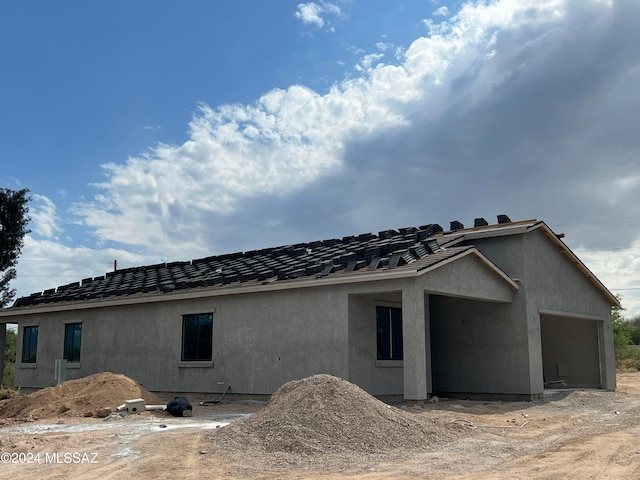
(45, 276)
(76, 262)
(617, 249)
(599, 221)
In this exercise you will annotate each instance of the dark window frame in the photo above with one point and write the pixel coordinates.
(197, 337)
(29, 344)
(389, 342)
(72, 341)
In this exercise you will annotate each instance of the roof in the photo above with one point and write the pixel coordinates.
(390, 253)
(355, 255)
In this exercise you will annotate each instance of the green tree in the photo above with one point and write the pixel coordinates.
(635, 330)
(13, 227)
(9, 358)
(621, 331)
(624, 332)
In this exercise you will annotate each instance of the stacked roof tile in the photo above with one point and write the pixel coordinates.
(367, 252)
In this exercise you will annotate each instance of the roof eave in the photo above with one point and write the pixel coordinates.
(188, 294)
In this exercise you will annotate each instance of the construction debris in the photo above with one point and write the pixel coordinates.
(179, 407)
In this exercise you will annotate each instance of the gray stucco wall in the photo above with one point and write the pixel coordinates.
(478, 347)
(383, 378)
(553, 283)
(465, 278)
(259, 341)
(570, 351)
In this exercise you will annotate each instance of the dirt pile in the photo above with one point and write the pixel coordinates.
(96, 395)
(323, 414)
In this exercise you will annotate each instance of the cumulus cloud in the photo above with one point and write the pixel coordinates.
(315, 14)
(384, 46)
(291, 138)
(44, 219)
(524, 107)
(48, 264)
(368, 61)
(441, 11)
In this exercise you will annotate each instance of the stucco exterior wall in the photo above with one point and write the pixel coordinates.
(259, 341)
(553, 284)
(571, 351)
(478, 347)
(466, 278)
(381, 378)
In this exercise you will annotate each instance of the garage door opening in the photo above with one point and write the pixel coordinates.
(570, 352)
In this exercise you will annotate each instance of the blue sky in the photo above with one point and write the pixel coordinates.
(155, 131)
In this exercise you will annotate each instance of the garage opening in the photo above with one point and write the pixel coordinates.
(570, 352)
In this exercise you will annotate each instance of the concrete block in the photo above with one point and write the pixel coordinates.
(135, 406)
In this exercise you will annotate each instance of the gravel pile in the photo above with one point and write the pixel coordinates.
(322, 417)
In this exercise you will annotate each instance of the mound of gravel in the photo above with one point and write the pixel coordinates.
(324, 414)
(95, 395)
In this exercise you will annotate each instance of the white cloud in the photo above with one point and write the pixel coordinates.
(441, 11)
(47, 264)
(368, 61)
(309, 13)
(286, 140)
(44, 219)
(384, 46)
(292, 138)
(315, 14)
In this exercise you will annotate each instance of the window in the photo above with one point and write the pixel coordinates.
(197, 337)
(29, 344)
(389, 332)
(72, 340)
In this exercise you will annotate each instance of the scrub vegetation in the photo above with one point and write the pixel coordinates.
(626, 339)
(9, 364)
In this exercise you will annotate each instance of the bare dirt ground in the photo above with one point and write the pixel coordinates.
(322, 427)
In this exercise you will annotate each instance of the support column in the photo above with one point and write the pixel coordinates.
(3, 347)
(607, 355)
(416, 345)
